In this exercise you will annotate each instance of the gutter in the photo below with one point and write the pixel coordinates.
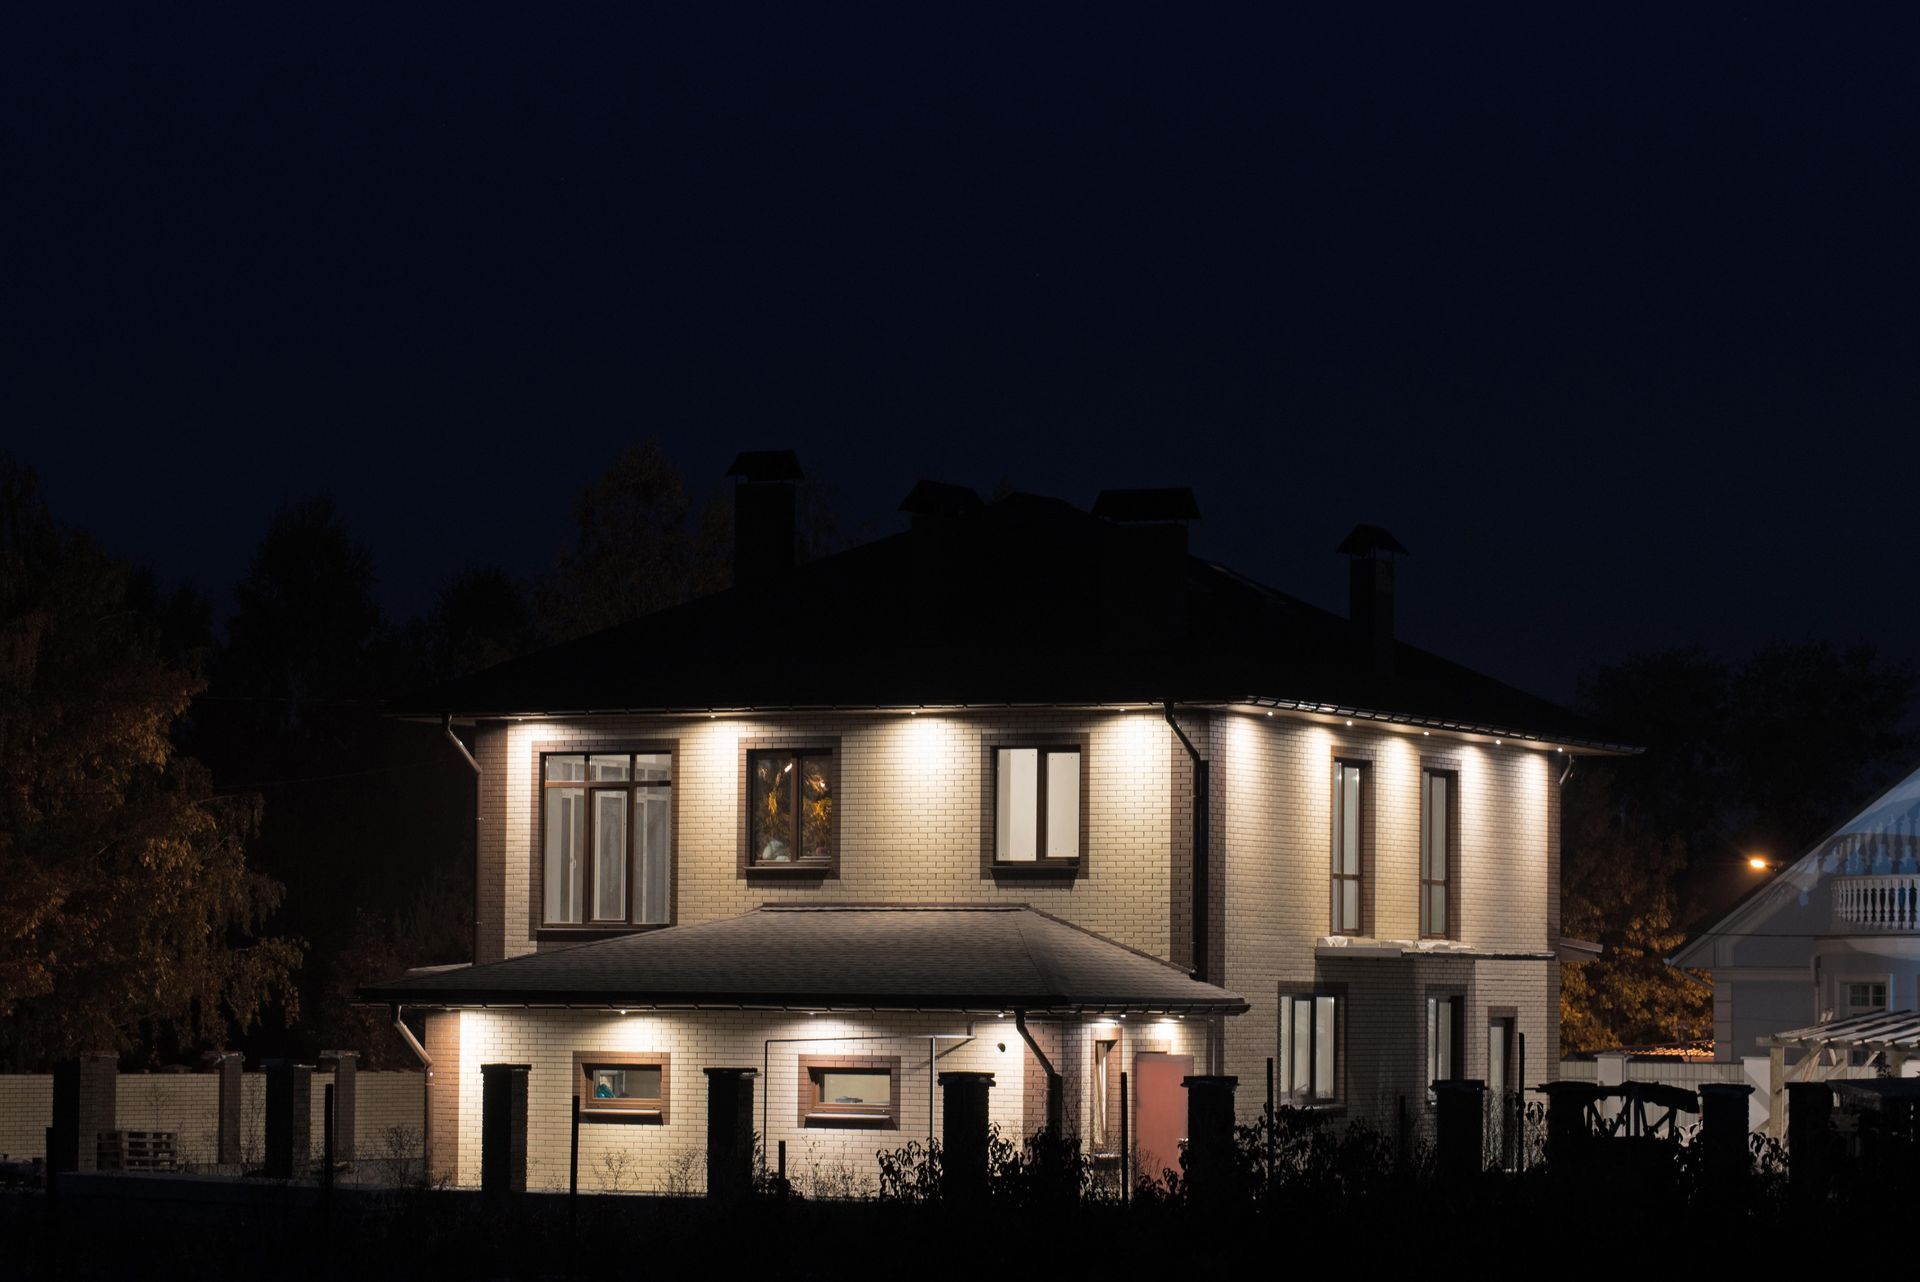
(1056, 1088)
(446, 728)
(1202, 807)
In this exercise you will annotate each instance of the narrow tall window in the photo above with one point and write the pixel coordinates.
(1436, 852)
(1036, 805)
(608, 835)
(1444, 1042)
(1309, 1048)
(1349, 793)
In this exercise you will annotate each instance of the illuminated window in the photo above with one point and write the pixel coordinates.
(791, 820)
(622, 1084)
(608, 825)
(1349, 836)
(1445, 1044)
(1436, 852)
(1036, 805)
(1309, 1060)
(852, 1090)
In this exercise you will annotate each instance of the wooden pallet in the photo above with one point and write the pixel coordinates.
(138, 1151)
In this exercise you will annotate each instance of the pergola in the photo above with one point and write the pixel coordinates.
(1885, 1039)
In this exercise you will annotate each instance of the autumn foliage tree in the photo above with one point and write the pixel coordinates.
(128, 914)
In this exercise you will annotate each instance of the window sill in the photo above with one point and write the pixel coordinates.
(799, 868)
(651, 1116)
(1036, 868)
(587, 934)
(855, 1121)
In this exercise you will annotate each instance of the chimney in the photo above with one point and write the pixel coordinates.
(763, 514)
(1370, 551)
(1143, 563)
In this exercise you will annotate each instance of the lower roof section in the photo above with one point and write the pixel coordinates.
(891, 957)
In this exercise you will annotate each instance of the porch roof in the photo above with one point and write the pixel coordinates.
(850, 957)
(1876, 1030)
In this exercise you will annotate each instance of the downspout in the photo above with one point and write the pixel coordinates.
(426, 1087)
(446, 728)
(1202, 807)
(1056, 1088)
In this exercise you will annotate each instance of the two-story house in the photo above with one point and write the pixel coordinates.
(1022, 788)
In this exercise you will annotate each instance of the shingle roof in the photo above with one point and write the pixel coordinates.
(1018, 604)
(869, 958)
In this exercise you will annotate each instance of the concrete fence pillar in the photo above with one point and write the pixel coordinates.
(730, 1131)
(230, 1066)
(85, 1103)
(289, 1147)
(503, 1129)
(963, 1134)
(1459, 1126)
(343, 1064)
(1723, 1129)
(1809, 1135)
(1209, 1134)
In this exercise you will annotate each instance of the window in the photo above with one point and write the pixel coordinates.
(1309, 1061)
(1863, 999)
(1349, 793)
(1036, 805)
(1436, 852)
(623, 1085)
(608, 825)
(850, 1090)
(1103, 1099)
(791, 820)
(1445, 1047)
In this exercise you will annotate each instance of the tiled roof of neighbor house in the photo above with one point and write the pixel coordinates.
(994, 958)
(1024, 601)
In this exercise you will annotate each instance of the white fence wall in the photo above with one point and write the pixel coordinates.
(1611, 1070)
(388, 1118)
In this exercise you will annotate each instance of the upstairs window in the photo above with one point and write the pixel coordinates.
(1436, 853)
(1036, 805)
(791, 820)
(1349, 834)
(608, 825)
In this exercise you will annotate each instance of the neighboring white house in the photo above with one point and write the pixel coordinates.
(1836, 934)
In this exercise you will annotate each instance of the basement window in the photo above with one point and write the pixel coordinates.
(856, 1091)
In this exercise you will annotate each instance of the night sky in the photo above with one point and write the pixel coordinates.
(1611, 320)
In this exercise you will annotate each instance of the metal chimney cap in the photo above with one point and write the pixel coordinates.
(767, 465)
(1365, 540)
(1173, 503)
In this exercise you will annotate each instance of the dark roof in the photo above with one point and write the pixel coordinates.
(849, 957)
(1147, 505)
(938, 498)
(1027, 602)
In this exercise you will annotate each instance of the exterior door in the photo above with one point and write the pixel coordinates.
(1161, 1110)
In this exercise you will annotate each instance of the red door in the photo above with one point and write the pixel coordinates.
(1161, 1111)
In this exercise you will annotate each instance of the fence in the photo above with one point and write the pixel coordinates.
(388, 1123)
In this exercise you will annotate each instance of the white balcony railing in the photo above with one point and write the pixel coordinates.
(1886, 903)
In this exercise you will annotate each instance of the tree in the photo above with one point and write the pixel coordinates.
(126, 900)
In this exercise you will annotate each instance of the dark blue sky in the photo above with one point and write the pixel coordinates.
(1612, 321)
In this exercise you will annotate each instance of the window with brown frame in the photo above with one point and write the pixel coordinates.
(1446, 1039)
(1310, 1060)
(791, 820)
(1349, 838)
(850, 1090)
(1037, 799)
(622, 1085)
(607, 827)
(1436, 853)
